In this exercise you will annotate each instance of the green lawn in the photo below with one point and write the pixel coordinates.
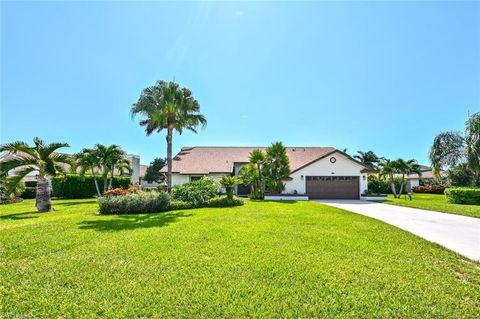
(435, 202)
(261, 260)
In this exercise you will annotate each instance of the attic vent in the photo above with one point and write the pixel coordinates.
(293, 150)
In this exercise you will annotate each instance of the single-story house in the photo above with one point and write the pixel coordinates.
(318, 172)
(426, 177)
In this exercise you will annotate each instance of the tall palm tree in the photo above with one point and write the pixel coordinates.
(452, 147)
(167, 106)
(368, 158)
(40, 158)
(89, 160)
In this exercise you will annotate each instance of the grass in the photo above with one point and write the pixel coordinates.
(264, 259)
(435, 202)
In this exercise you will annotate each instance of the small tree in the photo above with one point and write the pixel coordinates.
(40, 158)
(89, 160)
(277, 167)
(153, 173)
(229, 182)
(391, 169)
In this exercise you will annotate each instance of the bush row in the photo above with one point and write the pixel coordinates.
(154, 202)
(77, 186)
(429, 189)
(463, 195)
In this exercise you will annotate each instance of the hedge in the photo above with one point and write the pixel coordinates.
(463, 195)
(198, 192)
(76, 186)
(154, 202)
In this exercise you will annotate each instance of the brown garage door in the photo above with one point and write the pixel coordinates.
(334, 187)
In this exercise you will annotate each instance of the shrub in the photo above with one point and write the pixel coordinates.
(198, 192)
(179, 204)
(224, 201)
(77, 186)
(116, 192)
(29, 192)
(382, 186)
(134, 203)
(429, 189)
(463, 195)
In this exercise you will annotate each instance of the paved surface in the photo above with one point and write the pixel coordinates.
(458, 233)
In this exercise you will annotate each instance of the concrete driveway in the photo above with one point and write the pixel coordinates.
(458, 233)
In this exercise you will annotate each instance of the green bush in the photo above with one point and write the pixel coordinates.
(382, 186)
(179, 204)
(463, 195)
(198, 192)
(29, 192)
(134, 203)
(224, 201)
(77, 186)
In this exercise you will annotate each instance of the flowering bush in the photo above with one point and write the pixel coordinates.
(429, 189)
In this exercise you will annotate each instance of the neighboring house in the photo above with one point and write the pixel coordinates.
(426, 177)
(143, 183)
(319, 172)
(32, 177)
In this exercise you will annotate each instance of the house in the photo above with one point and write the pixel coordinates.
(319, 172)
(426, 177)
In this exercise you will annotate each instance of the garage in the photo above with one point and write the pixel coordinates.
(333, 187)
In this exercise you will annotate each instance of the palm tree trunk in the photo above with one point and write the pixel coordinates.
(169, 158)
(111, 179)
(105, 183)
(96, 182)
(42, 197)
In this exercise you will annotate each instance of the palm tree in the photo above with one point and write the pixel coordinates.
(391, 169)
(168, 106)
(88, 160)
(257, 158)
(41, 158)
(277, 167)
(229, 183)
(452, 147)
(368, 158)
(111, 158)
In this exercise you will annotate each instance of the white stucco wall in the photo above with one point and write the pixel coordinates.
(342, 167)
(179, 179)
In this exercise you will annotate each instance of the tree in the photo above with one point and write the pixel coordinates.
(461, 175)
(277, 167)
(153, 173)
(368, 158)
(110, 159)
(89, 160)
(250, 175)
(257, 159)
(167, 106)
(391, 169)
(41, 158)
(229, 182)
(452, 148)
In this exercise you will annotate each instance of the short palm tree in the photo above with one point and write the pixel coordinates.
(88, 160)
(40, 158)
(167, 106)
(110, 159)
(229, 182)
(451, 148)
(257, 158)
(392, 169)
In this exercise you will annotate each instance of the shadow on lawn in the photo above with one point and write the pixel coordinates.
(126, 222)
(18, 216)
(73, 202)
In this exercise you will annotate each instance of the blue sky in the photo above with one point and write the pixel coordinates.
(364, 76)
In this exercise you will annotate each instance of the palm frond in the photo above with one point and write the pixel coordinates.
(18, 162)
(16, 147)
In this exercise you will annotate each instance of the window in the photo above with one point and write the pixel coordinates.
(195, 178)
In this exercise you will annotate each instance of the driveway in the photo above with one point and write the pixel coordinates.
(458, 233)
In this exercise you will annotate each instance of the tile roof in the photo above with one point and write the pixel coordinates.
(205, 160)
